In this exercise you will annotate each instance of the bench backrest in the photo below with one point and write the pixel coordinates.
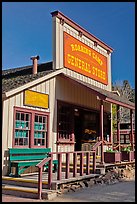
(28, 154)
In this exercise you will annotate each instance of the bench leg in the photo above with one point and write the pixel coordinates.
(10, 173)
(16, 172)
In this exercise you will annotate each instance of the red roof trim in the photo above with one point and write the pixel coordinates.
(119, 103)
(79, 28)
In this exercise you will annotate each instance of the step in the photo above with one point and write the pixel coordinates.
(27, 192)
(33, 183)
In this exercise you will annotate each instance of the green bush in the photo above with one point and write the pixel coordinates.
(126, 149)
(111, 150)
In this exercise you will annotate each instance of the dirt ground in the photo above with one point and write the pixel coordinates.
(118, 192)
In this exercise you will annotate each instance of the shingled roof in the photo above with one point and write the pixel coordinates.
(13, 78)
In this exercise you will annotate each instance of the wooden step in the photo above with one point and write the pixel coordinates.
(25, 182)
(27, 192)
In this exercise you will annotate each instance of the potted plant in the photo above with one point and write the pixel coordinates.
(112, 156)
(127, 154)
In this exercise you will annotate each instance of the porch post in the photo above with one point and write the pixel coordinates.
(101, 130)
(111, 128)
(131, 121)
(118, 126)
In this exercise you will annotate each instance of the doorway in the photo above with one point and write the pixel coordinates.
(78, 128)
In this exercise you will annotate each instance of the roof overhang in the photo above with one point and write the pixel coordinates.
(31, 84)
(104, 95)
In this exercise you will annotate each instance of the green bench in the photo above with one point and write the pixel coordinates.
(21, 159)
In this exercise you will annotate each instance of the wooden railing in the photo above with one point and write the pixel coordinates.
(94, 148)
(116, 147)
(74, 156)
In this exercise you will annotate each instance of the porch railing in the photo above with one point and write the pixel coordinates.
(75, 157)
(94, 148)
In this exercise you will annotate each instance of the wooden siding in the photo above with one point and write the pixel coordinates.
(5, 122)
(8, 110)
(68, 92)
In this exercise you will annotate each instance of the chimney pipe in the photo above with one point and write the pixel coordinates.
(35, 59)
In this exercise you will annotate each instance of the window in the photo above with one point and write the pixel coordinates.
(65, 123)
(30, 128)
(40, 130)
(22, 129)
(124, 138)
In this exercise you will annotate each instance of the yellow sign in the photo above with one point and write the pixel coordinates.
(33, 98)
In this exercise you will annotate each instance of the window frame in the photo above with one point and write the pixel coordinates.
(32, 113)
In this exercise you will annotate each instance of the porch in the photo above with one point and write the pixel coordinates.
(28, 185)
(73, 167)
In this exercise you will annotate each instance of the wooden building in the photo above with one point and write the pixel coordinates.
(64, 103)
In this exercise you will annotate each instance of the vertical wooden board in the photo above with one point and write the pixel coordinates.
(38, 87)
(46, 84)
(61, 47)
(18, 100)
(21, 99)
(54, 41)
(57, 43)
(52, 110)
(5, 124)
(43, 87)
(10, 120)
(5, 117)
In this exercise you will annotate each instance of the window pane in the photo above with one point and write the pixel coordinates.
(27, 117)
(20, 141)
(44, 120)
(43, 142)
(25, 141)
(22, 116)
(36, 118)
(17, 116)
(40, 119)
(16, 141)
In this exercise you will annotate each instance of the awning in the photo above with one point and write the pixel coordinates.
(103, 94)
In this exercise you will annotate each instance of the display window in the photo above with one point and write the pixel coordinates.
(30, 128)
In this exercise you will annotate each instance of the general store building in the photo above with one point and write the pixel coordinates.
(61, 104)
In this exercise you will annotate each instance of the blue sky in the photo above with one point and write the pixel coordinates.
(27, 31)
